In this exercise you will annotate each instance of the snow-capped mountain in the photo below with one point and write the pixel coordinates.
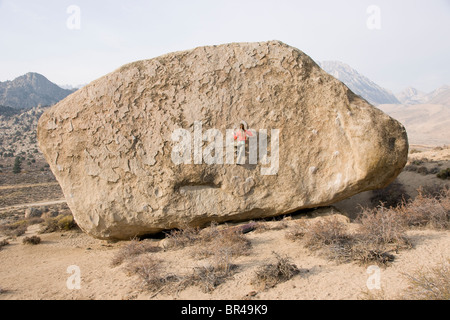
(358, 83)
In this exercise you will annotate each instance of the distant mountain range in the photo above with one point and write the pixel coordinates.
(358, 83)
(30, 90)
(413, 96)
(426, 116)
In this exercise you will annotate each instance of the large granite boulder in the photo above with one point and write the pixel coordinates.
(149, 146)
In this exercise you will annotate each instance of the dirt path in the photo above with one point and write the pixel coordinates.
(21, 186)
(34, 204)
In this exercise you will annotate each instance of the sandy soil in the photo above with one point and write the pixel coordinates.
(40, 271)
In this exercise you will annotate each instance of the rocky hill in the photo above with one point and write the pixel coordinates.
(358, 83)
(18, 131)
(30, 90)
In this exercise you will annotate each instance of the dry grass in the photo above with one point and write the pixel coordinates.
(427, 211)
(375, 238)
(62, 222)
(269, 275)
(374, 295)
(424, 284)
(211, 241)
(208, 277)
(382, 226)
(153, 278)
(327, 232)
(429, 284)
(219, 245)
(150, 273)
(184, 237)
(381, 232)
(229, 242)
(132, 250)
(14, 229)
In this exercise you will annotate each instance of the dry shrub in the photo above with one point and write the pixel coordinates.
(15, 229)
(229, 242)
(181, 238)
(297, 231)
(219, 245)
(153, 279)
(379, 233)
(366, 253)
(63, 222)
(433, 191)
(31, 240)
(133, 249)
(427, 211)
(269, 275)
(326, 232)
(374, 295)
(150, 273)
(431, 284)
(208, 277)
(444, 174)
(382, 226)
(210, 241)
(34, 220)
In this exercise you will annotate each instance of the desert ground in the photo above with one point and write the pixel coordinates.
(166, 266)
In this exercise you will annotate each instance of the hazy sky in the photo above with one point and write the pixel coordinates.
(411, 48)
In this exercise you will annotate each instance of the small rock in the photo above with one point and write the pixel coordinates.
(32, 213)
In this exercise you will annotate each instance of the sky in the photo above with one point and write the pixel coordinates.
(395, 43)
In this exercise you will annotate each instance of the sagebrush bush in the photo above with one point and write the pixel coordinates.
(181, 238)
(269, 275)
(14, 229)
(208, 277)
(427, 211)
(149, 272)
(226, 242)
(444, 174)
(373, 241)
(133, 249)
(210, 241)
(152, 278)
(429, 284)
(326, 232)
(218, 245)
(382, 226)
(63, 222)
(31, 240)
